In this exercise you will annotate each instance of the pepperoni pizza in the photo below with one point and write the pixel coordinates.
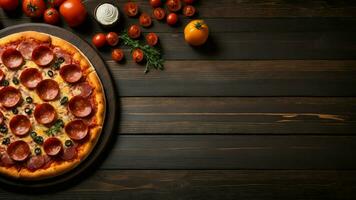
(52, 106)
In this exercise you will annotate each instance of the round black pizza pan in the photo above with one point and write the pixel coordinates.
(90, 163)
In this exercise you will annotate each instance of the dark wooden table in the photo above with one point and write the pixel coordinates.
(265, 110)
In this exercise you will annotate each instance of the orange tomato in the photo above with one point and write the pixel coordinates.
(196, 32)
(73, 12)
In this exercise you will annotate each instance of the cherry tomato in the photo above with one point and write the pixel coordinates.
(172, 18)
(188, 1)
(73, 12)
(51, 16)
(112, 38)
(137, 55)
(9, 5)
(134, 31)
(174, 5)
(155, 3)
(152, 39)
(131, 9)
(145, 20)
(159, 13)
(188, 10)
(117, 55)
(33, 8)
(99, 40)
(55, 3)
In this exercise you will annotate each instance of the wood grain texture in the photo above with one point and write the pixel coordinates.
(232, 152)
(238, 115)
(238, 78)
(208, 184)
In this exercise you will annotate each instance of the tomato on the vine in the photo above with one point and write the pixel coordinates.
(99, 40)
(9, 5)
(189, 10)
(55, 3)
(51, 16)
(134, 31)
(152, 39)
(155, 3)
(159, 13)
(172, 18)
(174, 5)
(137, 55)
(117, 55)
(112, 38)
(33, 8)
(145, 20)
(131, 9)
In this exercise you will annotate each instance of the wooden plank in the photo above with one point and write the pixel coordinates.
(238, 115)
(238, 78)
(232, 152)
(210, 184)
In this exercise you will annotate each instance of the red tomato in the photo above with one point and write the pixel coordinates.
(172, 19)
(112, 38)
(188, 10)
(134, 31)
(33, 8)
(73, 12)
(55, 3)
(137, 55)
(99, 40)
(9, 5)
(152, 39)
(117, 55)
(188, 1)
(159, 13)
(51, 16)
(131, 9)
(155, 3)
(174, 5)
(145, 20)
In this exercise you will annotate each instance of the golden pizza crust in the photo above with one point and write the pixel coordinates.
(58, 168)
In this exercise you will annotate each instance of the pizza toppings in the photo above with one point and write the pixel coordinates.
(30, 77)
(80, 106)
(18, 150)
(71, 73)
(2, 75)
(20, 125)
(36, 162)
(52, 146)
(42, 56)
(69, 153)
(12, 58)
(47, 89)
(77, 129)
(26, 47)
(5, 159)
(1, 118)
(85, 89)
(45, 113)
(9, 97)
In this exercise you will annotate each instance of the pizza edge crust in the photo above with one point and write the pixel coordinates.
(56, 169)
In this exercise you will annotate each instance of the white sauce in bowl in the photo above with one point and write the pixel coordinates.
(107, 14)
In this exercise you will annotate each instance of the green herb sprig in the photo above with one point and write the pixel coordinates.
(55, 128)
(153, 55)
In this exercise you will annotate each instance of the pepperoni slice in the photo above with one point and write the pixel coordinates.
(18, 150)
(71, 73)
(26, 48)
(62, 54)
(77, 129)
(52, 146)
(30, 77)
(47, 89)
(12, 58)
(9, 96)
(35, 162)
(2, 75)
(20, 125)
(45, 113)
(69, 153)
(6, 160)
(85, 89)
(42, 56)
(80, 106)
